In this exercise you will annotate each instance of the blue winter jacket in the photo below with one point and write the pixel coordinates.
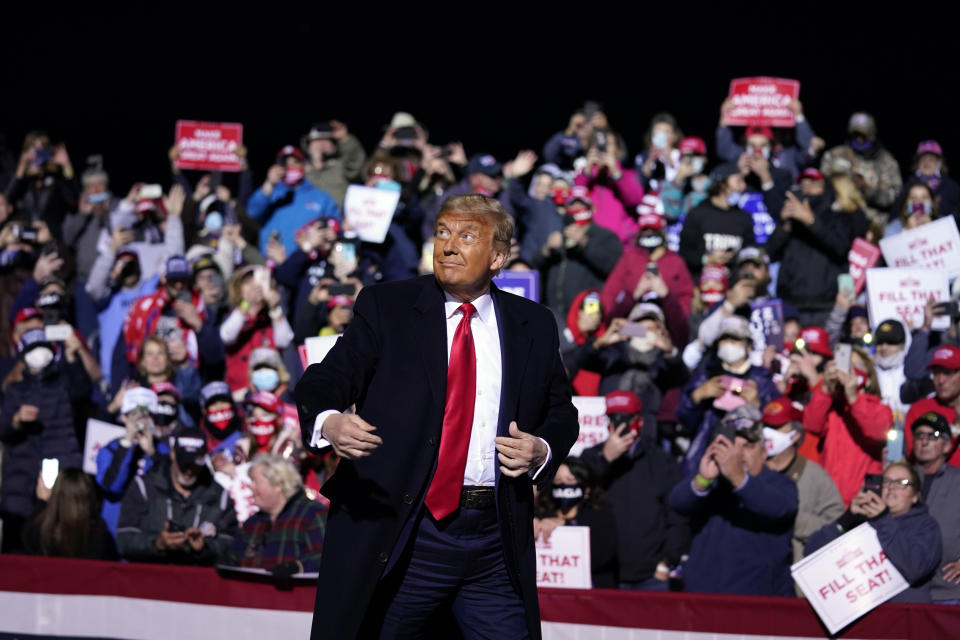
(287, 209)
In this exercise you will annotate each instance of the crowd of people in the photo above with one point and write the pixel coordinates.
(180, 311)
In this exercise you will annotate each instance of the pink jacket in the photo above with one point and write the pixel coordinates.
(614, 202)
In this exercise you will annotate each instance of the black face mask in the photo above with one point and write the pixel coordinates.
(567, 495)
(650, 241)
(166, 413)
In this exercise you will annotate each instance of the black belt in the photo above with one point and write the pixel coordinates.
(474, 497)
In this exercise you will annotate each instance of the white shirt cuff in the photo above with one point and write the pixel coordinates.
(546, 462)
(316, 439)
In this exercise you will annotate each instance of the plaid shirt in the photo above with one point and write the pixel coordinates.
(296, 535)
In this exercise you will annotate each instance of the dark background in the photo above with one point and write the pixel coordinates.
(115, 83)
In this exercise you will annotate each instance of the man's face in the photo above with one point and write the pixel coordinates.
(483, 184)
(928, 447)
(464, 259)
(885, 349)
(928, 164)
(541, 187)
(897, 497)
(758, 144)
(946, 384)
(811, 187)
(859, 327)
(759, 272)
(175, 286)
(752, 454)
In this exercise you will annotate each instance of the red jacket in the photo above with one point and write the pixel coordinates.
(919, 408)
(853, 437)
(617, 294)
(145, 314)
(257, 332)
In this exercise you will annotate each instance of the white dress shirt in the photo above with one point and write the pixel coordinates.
(482, 452)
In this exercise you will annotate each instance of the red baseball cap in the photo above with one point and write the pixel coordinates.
(810, 174)
(165, 387)
(265, 400)
(581, 193)
(817, 340)
(780, 411)
(290, 150)
(650, 221)
(754, 130)
(623, 402)
(24, 314)
(693, 145)
(947, 357)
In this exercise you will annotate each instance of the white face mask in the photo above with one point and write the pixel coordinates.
(733, 198)
(776, 442)
(697, 165)
(659, 139)
(38, 358)
(731, 353)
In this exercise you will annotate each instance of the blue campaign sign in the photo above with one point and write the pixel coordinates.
(766, 324)
(521, 283)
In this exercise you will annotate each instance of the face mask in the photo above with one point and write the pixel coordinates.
(568, 495)
(387, 184)
(97, 198)
(730, 353)
(659, 139)
(220, 421)
(293, 176)
(861, 146)
(483, 191)
(733, 198)
(262, 430)
(763, 151)
(265, 379)
(920, 208)
(650, 241)
(700, 183)
(892, 361)
(713, 295)
(38, 358)
(697, 165)
(186, 481)
(213, 221)
(776, 442)
(560, 196)
(862, 377)
(166, 413)
(643, 344)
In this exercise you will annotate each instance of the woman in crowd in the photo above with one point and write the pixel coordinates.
(162, 361)
(576, 498)
(68, 523)
(919, 207)
(908, 534)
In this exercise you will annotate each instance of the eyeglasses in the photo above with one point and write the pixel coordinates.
(902, 483)
(923, 436)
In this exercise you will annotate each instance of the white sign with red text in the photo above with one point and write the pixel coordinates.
(848, 577)
(99, 435)
(902, 293)
(564, 561)
(369, 211)
(935, 245)
(592, 415)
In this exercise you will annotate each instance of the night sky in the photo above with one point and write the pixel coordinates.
(115, 84)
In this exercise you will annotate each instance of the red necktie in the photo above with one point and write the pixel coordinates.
(443, 496)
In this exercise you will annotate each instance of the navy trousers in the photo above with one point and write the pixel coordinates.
(453, 568)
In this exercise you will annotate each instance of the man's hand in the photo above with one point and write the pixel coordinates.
(168, 540)
(618, 443)
(188, 314)
(521, 165)
(120, 237)
(742, 292)
(26, 413)
(276, 251)
(46, 266)
(951, 572)
(575, 234)
(797, 210)
(708, 469)
(520, 452)
(720, 257)
(554, 242)
(173, 202)
(352, 437)
(195, 538)
(729, 460)
(612, 335)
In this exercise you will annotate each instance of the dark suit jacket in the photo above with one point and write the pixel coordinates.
(392, 362)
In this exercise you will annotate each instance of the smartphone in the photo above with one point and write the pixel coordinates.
(726, 429)
(895, 443)
(57, 332)
(873, 482)
(653, 268)
(49, 470)
(841, 356)
(348, 250)
(261, 275)
(948, 308)
(342, 289)
(175, 527)
(633, 330)
(151, 192)
(845, 283)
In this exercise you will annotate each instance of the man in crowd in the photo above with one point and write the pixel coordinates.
(638, 476)
(741, 513)
(941, 485)
(336, 158)
(176, 513)
(945, 368)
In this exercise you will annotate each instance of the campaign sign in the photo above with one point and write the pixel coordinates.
(564, 561)
(848, 577)
(525, 284)
(862, 256)
(369, 211)
(318, 347)
(592, 415)
(209, 146)
(99, 435)
(766, 324)
(903, 293)
(935, 245)
(762, 102)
